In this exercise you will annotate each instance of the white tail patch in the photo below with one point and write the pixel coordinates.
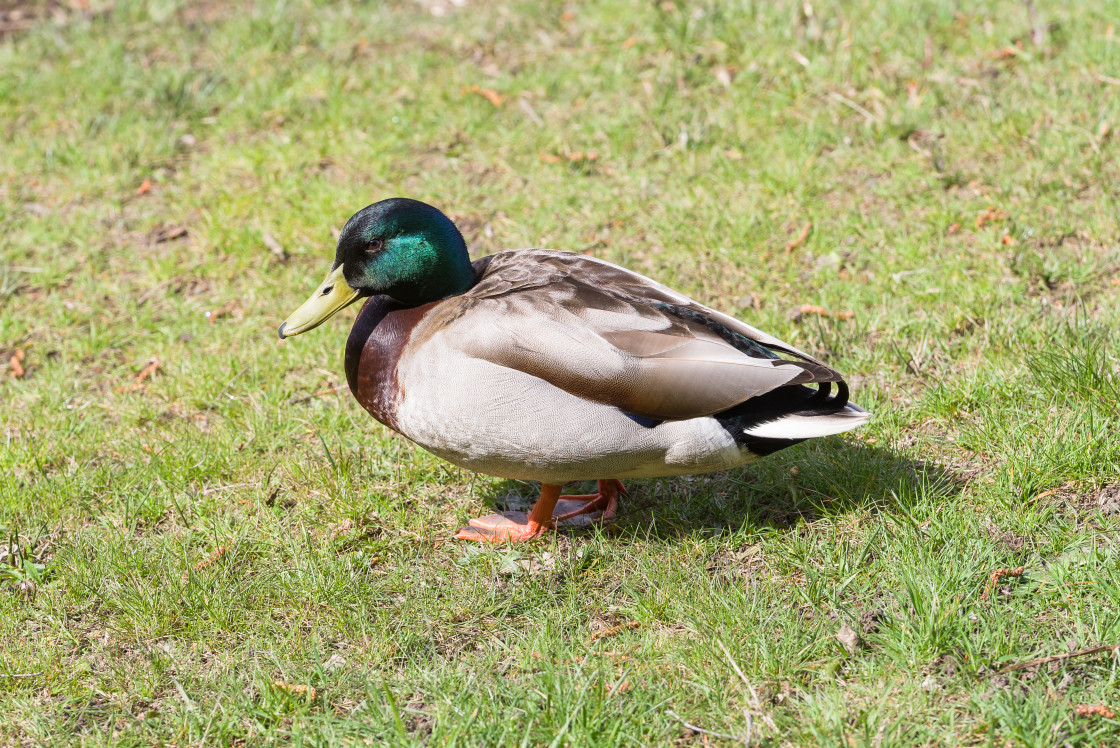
(796, 426)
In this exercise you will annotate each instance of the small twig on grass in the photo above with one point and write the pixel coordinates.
(1057, 658)
(614, 630)
(702, 731)
(21, 675)
(1091, 710)
(997, 575)
(313, 395)
(796, 242)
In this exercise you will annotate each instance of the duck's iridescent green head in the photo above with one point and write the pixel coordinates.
(401, 248)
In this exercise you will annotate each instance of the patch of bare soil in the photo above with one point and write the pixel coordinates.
(18, 16)
(1108, 500)
(1083, 503)
(1007, 540)
(745, 565)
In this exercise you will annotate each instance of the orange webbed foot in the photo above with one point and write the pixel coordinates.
(550, 509)
(503, 527)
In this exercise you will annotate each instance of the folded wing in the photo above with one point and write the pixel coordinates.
(610, 335)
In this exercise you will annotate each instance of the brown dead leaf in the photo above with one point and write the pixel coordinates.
(618, 688)
(991, 214)
(212, 559)
(230, 308)
(629, 43)
(168, 233)
(549, 158)
(1008, 240)
(807, 309)
(954, 227)
(492, 96)
(145, 373)
(1094, 710)
(296, 689)
(1006, 53)
(15, 365)
(848, 638)
(144, 188)
(997, 575)
(912, 97)
(613, 630)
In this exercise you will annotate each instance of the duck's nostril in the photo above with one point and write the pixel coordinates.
(327, 290)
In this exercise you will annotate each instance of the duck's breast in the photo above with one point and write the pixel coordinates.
(380, 335)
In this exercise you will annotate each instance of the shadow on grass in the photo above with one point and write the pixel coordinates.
(820, 479)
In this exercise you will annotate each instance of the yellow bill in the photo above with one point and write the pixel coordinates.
(332, 296)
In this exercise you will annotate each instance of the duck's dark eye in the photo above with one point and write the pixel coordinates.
(374, 246)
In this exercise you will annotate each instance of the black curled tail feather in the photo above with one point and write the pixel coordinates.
(778, 404)
(821, 398)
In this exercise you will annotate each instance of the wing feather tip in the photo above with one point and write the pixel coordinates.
(807, 426)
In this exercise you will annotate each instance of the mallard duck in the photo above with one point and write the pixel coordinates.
(557, 367)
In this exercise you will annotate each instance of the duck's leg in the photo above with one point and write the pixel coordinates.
(605, 501)
(511, 527)
(551, 507)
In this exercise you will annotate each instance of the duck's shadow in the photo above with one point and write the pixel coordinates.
(818, 479)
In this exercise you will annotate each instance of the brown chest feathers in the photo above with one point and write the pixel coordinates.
(373, 350)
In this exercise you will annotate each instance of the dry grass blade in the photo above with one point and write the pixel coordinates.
(702, 731)
(755, 702)
(313, 395)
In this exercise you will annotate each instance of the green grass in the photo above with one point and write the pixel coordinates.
(988, 354)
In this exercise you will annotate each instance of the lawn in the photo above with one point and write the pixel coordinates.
(206, 541)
